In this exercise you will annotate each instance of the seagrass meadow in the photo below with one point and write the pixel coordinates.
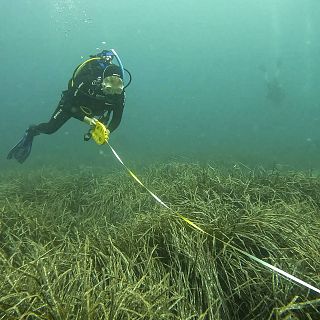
(94, 246)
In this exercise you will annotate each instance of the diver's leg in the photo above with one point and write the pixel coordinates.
(57, 120)
(22, 149)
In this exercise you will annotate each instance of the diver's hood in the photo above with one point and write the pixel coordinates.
(89, 76)
(112, 70)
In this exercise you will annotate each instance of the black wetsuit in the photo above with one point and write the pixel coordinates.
(84, 98)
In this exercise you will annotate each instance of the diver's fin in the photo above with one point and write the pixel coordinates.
(22, 149)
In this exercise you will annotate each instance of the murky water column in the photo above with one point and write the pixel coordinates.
(307, 43)
(69, 16)
(275, 30)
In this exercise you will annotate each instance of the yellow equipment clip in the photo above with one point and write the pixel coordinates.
(100, 134)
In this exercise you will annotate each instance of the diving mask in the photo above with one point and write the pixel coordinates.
(112, 85)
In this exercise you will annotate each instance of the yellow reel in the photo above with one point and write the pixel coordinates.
(100, 134)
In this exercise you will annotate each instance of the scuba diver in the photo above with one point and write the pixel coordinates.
(96, 89)
(275, 90)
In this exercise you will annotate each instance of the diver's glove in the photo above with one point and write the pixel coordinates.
(92, 123)
(98, 131)
(87, 136)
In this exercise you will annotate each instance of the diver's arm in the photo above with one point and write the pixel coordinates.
(74, 109)
(117, 115)
(76, 113)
